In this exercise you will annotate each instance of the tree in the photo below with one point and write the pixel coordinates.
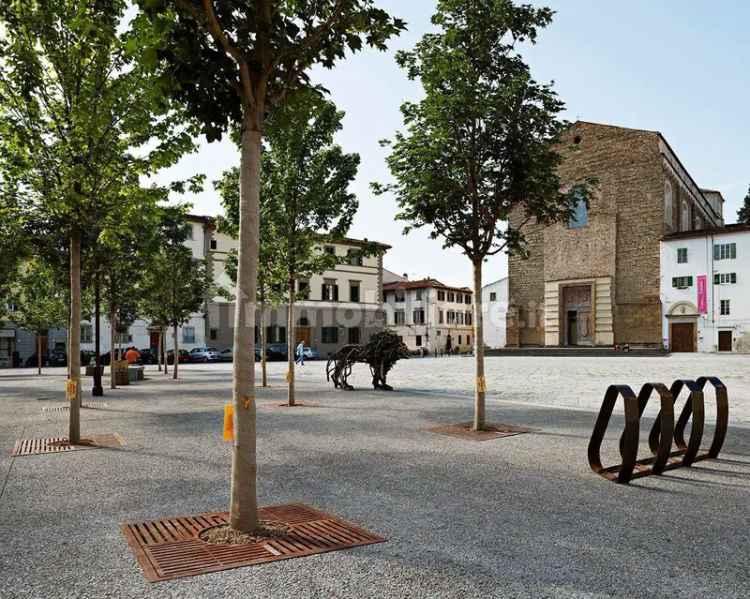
(233, 63)
(306, 178)
(40, 302)
(743, 216)
(175, 285)
(79, 117)
(270, 269)
(480, 146)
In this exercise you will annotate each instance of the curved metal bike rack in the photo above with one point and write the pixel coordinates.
(664, 431)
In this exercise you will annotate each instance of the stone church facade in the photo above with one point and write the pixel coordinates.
(595, 281)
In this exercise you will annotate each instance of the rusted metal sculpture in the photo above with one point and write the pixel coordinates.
(381, 353)
(664, 430)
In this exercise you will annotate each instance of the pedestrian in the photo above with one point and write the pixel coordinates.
(132, 356)
(300, 354)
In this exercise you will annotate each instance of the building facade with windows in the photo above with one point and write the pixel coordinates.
(495, 306)
(430, 316)
(705, 290)
(595, 280)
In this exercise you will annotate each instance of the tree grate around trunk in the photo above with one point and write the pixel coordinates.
(172, 548)
(491, 431)
(26, 447)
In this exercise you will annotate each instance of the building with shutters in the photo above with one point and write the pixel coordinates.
(595, 280)
(705, 290)
(429, 316)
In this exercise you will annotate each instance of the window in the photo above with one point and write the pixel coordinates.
(460, 318)
(275, 334)
(419, 295)
(330, 291)
(468, 318)
(451, 296)
(725, 311)
(418, 342)
(303, 321)
(399, 317)
(418, 316)
(729, 278)
(213, 244)
(353, 335)
(355, 257)
(330, 250)
(86, 335)
(123, 337)
(468, 340)
(400, 295)
(330, 335)
(441, 296)
(467, 299)
(580, 216)
(493, 297)
(188, 334)
(668, 204)
(451, 317)
(725, 251)
(303, 289)
(682, 282)
(189, 231)
(685, 216)
(353, 291)
(682, 256)
(213, 334)
(459, 339)
(440, 317)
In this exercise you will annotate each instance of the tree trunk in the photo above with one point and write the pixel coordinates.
(479, 385)
(74, 429)
(244, 501)
(176, 351)
(158, 351)
(112, 329)
(262, 339)
(98, 390)
(164, 352)
(38, 354)
(291, 343)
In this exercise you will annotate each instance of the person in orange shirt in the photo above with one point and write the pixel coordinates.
(132, 356)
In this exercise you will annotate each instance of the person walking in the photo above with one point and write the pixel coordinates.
(300, 354)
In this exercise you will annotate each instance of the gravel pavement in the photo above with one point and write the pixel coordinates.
(516, 517)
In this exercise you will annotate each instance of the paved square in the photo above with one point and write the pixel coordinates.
(518, 517)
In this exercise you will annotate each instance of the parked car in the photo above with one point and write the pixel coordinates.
(204, 354)
(58, 358)
(226, 355)
(311, 353)
(148, 356)
(184, 356)
(31, 361)
(276, 351)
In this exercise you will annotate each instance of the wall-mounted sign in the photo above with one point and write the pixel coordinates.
(702, 294)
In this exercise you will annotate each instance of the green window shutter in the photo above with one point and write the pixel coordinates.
(717, 252)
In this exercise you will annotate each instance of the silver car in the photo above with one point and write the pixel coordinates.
(204, 354)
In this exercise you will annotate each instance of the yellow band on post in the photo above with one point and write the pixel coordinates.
(229, 422)
(71, 390)
(481, 384)
(288, 376)
(247, 401)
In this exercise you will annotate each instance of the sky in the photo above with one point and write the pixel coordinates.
(679, 67)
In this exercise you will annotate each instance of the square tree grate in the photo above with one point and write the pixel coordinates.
(24, 447)
(170, 548)
(491, 431)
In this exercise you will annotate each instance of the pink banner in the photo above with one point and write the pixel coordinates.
(702, 294)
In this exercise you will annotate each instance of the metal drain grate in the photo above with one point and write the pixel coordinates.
(92, 405)
(492, 431)
(170, 548)
(24, 447)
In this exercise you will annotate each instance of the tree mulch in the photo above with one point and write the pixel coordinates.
(490, 431)
(192, 545)
(26, 447)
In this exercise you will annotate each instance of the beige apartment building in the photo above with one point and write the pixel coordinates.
(430, 316)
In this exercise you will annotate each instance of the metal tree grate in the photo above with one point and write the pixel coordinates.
(171, 548)
(25, 447)
(491, 431)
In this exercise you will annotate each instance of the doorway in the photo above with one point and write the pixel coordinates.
(572, 327)
(303, 334)
(682, 338)
(725, 341)
(577, 315)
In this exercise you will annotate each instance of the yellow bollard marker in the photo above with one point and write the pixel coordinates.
(229, 422)
(481, 384)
